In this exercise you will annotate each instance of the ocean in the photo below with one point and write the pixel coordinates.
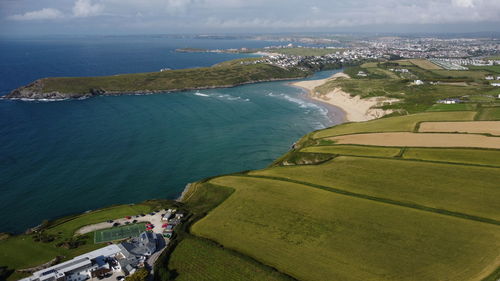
(66, 157)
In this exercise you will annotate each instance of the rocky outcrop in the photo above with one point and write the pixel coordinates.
(34, 91)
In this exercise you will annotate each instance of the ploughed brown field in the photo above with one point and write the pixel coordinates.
(474, 127)
(420, 140)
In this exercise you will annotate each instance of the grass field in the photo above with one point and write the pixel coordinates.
(118, 233)
(452, 107)
(357, 150)
(464, 189)
(489, 113)
(495, 69)
(468, 156)
(197, 259)
(394, 124)
(425, 64)
(315, 234)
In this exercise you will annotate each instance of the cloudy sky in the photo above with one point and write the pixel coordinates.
(220, 16)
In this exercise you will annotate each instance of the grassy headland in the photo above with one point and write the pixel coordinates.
(226, 74)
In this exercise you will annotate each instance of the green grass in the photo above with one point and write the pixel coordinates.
(464, 189)
(495, 69)
(118, 233)
(354, 150)
(489, 113)
(21, 251)
(394, 124)
(315, 234)
(468, 156)
(197, 259)
(452, 107)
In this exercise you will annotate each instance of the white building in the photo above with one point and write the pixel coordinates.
(495, 84)
(80, 268)
(418, 82)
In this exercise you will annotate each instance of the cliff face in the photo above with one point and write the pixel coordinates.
(34, 91)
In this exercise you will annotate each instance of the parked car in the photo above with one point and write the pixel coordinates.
(110, 221)
(143, 215)
(116, 224)
(121, 277)
(134, 221)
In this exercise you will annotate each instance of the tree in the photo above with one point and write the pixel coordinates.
(139, 275)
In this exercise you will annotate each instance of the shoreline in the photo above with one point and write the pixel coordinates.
(354, 108)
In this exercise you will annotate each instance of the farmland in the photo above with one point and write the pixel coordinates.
(489, 113)
(200, 259)
(394, 124)
(463, 189)
(357, 150)
(473, 127)
(467, 156)
(420, 140)
(370, 241)
(366, 212)
(425, 64)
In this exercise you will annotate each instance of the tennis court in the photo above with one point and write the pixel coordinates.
(118, 233)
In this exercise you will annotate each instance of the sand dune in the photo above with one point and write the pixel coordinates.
(356, 108)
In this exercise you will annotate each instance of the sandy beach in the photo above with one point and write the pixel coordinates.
(356, 109)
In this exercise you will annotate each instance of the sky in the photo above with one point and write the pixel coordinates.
(53, 17)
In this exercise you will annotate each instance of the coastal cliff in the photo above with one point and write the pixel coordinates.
(229, 74)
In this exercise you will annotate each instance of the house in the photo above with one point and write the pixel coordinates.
(142, 246)
(495, 84)
(89, 265)
(418, 82)
(489, 77)
(362, 74)
(449, 101)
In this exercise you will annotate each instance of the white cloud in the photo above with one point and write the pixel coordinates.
(85, 8)
(463, 3)
(43, 14)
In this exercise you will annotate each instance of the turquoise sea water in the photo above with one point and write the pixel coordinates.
(59, 158)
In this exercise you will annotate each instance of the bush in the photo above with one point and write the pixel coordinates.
(140, 275)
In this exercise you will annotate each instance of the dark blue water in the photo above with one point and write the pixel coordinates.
(59, 158)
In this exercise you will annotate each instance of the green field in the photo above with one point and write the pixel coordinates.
(314, 234)
(467, 156)
(452, 107)
(355, 150)
(118, 233)
(394, 124)
(197, 259)
(494, 69)
(463, 189)
(489, 113)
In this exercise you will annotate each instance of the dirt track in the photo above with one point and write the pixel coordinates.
(477, 127)
(420, 140)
